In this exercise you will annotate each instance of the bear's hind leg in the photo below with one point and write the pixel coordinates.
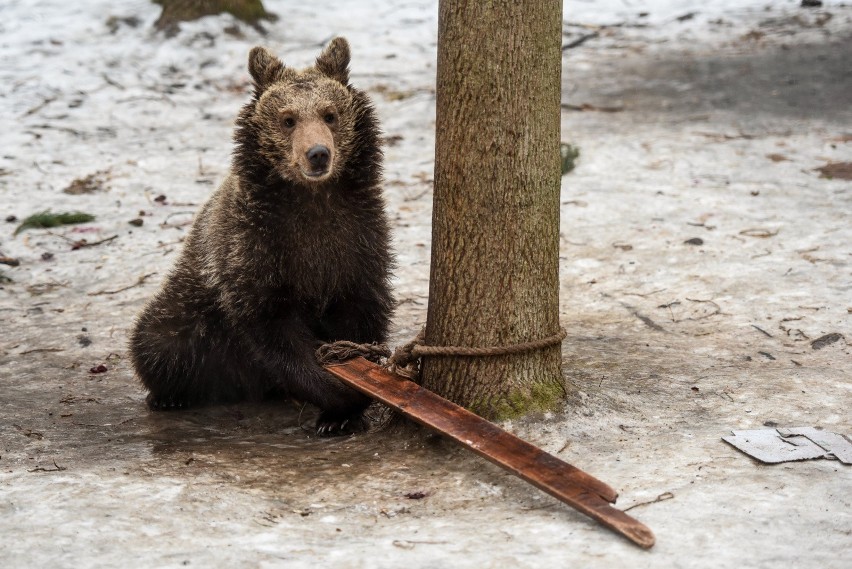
(187, 360)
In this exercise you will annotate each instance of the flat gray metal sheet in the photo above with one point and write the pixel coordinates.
(767, 445)
(835, 444)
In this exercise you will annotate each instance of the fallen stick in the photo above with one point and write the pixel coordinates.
(139, 282)
(567, 483)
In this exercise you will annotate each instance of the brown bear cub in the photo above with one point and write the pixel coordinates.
(290, 252)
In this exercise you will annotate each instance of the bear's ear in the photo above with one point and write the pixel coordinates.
(334, 60)
(264, 67)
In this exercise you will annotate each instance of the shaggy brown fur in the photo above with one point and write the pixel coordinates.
(291, 251)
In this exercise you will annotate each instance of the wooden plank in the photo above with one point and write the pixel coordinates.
(567, 483)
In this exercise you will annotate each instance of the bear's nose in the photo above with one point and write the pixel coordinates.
(318, 156)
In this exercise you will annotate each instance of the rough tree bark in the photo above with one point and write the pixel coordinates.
(495, 232)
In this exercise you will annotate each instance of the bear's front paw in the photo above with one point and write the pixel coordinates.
(330, 424)
(165, 403)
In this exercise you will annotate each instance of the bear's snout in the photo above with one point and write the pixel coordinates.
(313, 150)
(318, 157)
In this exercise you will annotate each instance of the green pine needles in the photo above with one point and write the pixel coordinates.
(47, 219)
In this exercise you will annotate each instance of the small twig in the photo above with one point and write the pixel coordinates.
(36, 350)
(83, 243)
(725, 395)
(40, 106)
(759, 329)
(711, 314)
(80, 243)
(62, 236)
(647, 294)
(67, 129)
(56, 468)
(661, 498)
(139, 282)
(29, 432)
(579, 41)
(590, 107)
(759, 232)
(166, 223)
(719, 136)
(112, 82)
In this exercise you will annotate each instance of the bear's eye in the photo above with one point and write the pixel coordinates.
(329, 118)
(288, 122)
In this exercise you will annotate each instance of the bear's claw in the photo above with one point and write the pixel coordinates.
(165, 403)
(329, 425)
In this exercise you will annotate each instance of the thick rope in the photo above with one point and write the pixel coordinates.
(405, 360)
(343, 350)
(420, 350)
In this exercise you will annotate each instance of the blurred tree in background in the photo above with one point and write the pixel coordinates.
(176, 11)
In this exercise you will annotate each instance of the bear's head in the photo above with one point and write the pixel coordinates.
(304, 120)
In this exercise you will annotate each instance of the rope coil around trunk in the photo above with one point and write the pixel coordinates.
(405, 360)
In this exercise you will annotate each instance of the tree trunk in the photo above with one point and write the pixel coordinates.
(495, 227)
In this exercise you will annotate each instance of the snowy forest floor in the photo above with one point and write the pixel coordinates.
(703, 252)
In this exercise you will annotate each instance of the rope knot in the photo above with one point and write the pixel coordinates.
(343, 350)
(405, 361)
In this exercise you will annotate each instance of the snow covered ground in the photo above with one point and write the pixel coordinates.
(697, 121)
